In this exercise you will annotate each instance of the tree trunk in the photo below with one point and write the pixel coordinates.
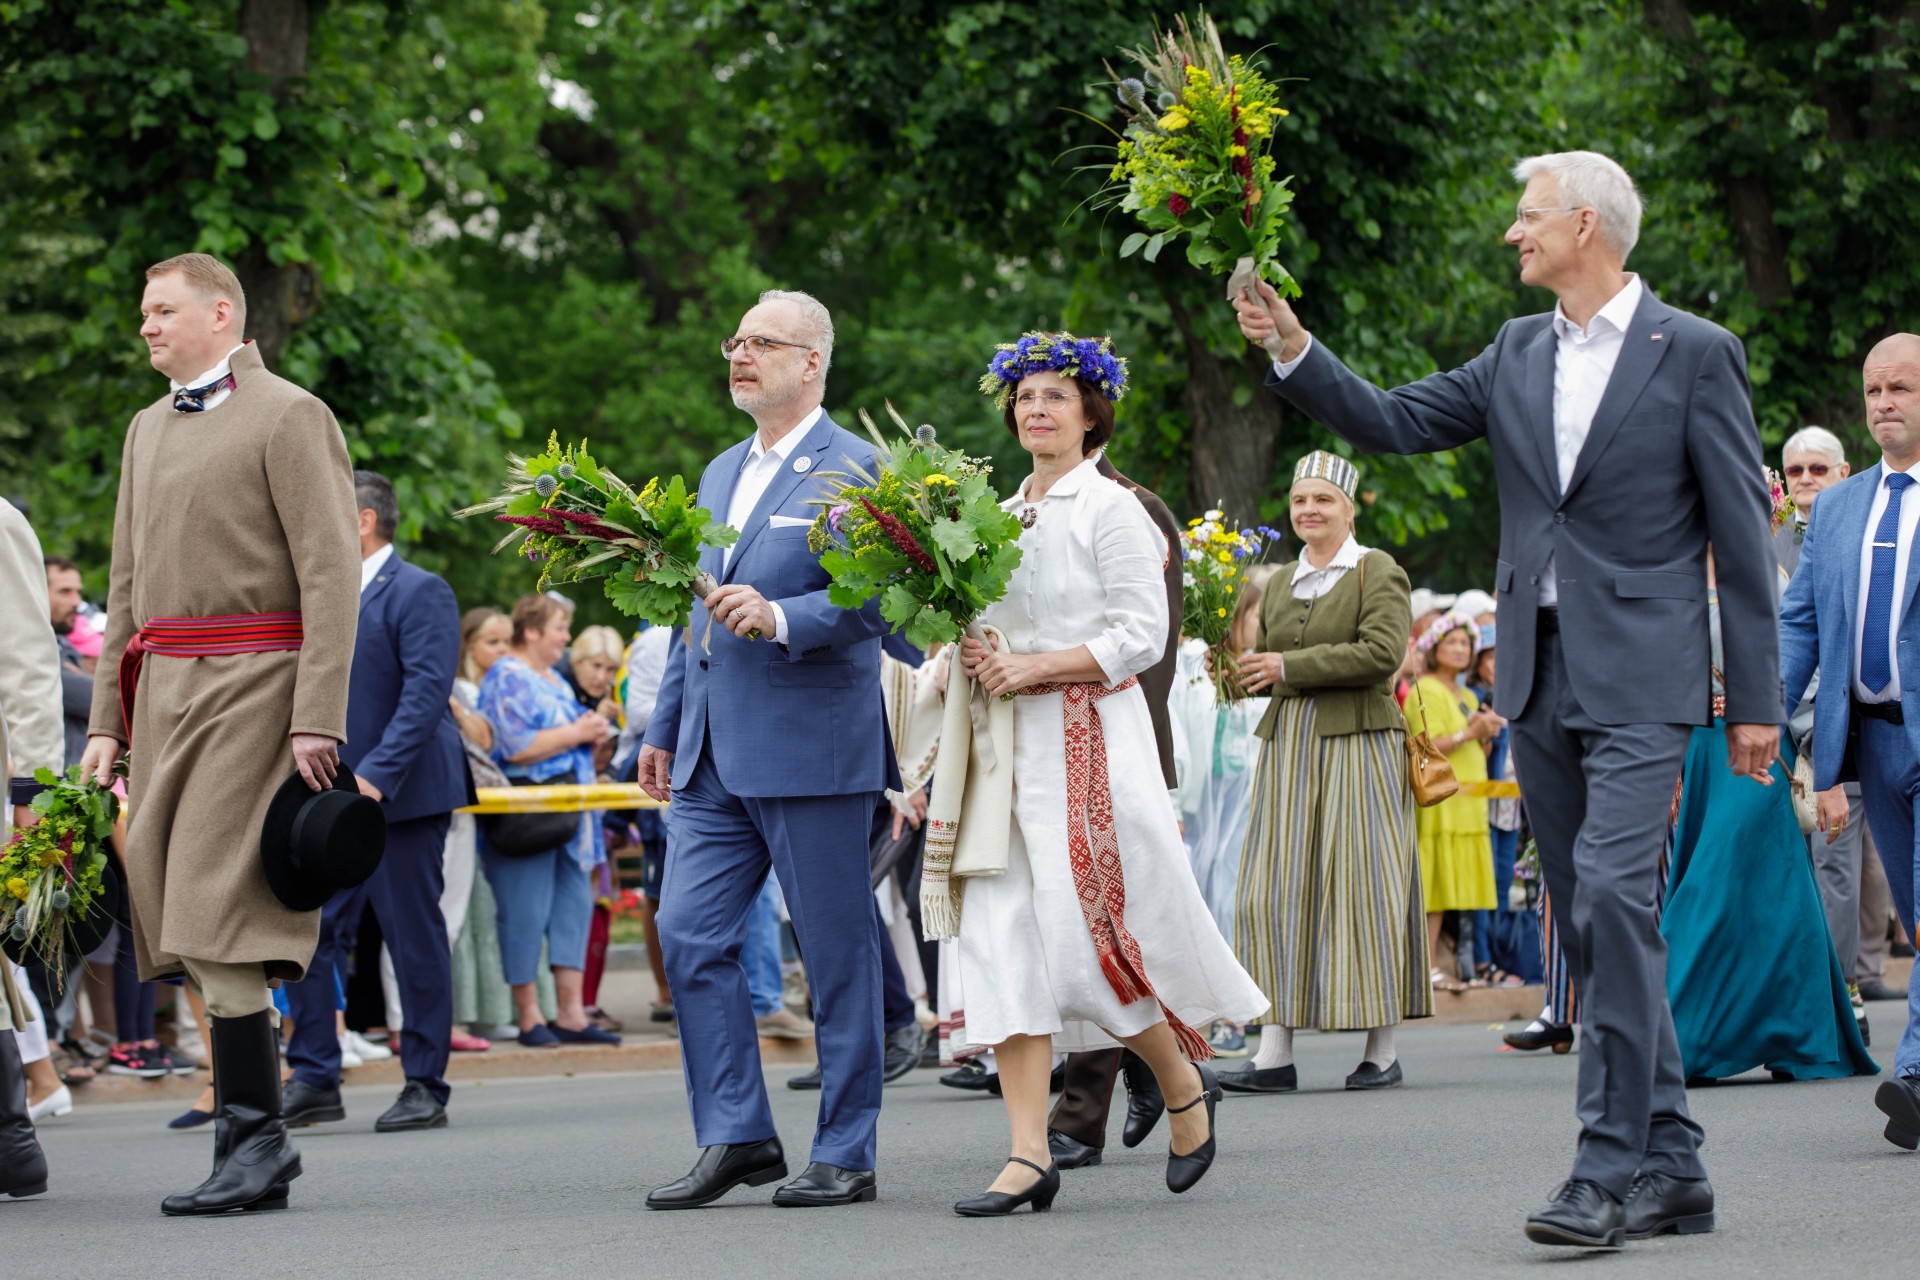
(1234, 433)
(280, 297)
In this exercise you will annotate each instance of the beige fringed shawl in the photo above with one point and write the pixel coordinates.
(974, 782)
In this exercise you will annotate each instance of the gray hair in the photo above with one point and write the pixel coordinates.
(815, 320)
(1589, 180)
(374, 492)
(1815, 440)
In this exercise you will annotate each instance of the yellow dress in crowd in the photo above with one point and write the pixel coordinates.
(1456, 853)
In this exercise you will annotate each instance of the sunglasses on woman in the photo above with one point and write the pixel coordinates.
(1815, 469)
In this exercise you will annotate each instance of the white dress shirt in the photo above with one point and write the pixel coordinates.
(761, 466)
(371, 566)
(214, 374)
(1909, 519)
(1310, 583)
(1582, 366)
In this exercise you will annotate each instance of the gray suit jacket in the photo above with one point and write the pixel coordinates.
(1672, 464)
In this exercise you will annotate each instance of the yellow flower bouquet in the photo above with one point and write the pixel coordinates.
(1215, 555)
(51, 873)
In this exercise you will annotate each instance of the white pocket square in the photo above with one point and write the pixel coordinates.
(788, 522)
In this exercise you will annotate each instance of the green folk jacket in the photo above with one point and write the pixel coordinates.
(1341, 650)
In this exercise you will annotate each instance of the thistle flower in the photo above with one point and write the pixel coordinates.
(1133, 94)
(564, 471)
(924, 434)
(545, 485)
(1166, 100)
(898, 534)
(61, 900)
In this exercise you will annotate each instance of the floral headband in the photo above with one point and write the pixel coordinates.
(1090, 359)
(1445, 625)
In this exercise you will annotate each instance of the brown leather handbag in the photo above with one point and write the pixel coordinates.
(1427, 769)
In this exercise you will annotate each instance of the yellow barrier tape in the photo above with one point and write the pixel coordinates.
(569, 797)
(1491, 790)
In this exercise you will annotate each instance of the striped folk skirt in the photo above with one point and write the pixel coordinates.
(1331, 923)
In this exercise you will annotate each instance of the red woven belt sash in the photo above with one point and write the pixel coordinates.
(1093, 850)
(202, 638)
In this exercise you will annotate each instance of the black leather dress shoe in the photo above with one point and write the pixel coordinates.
(805, 1083)
(903, 1051)
(301, 1104)
(1145, 1103)
(1658, 1204)
(1183, 1171)
(1071, 1153)
(1581, 1214)
(1556, 1036)
(719, 1170)
(827, 1184)
(1874, 989)
(998, 1204)
(1251, 1079)
(970, 1075)
(1899, 1098)
(416, 1108)
(1369, 1075)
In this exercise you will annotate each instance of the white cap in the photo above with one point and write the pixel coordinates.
(1427, 601)
(1474, 603)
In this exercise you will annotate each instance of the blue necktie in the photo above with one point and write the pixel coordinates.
(1875, 637)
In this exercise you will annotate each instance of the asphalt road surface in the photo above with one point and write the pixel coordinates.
(546, 1178)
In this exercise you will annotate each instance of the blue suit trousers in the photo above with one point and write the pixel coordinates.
(405, 893)
(1890, 785)
(723, 846)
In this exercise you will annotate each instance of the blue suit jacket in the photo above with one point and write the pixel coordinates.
(400, 731)
(804, 719)
(1817, 627)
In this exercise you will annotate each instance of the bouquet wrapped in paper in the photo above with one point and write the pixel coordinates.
(1193, 161)
(51, 873)
(926, 533)
(1215, 556)
(584, 522)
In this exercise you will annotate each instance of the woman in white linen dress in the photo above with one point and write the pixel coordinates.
(1092, 851)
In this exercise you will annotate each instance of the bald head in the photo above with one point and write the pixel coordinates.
(1891, 381)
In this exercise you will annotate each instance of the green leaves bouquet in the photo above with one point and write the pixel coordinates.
(925, 533)
(584, 522)
(1194, 159)
(51, 873)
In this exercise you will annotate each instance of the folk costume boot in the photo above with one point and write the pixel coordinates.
(252, 1160)
(23, 1166)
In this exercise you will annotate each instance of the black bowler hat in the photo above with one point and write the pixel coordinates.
(315, 843)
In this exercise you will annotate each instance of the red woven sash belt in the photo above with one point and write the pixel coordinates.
(222, 633)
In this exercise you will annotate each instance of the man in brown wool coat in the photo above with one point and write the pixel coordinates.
(236, 571)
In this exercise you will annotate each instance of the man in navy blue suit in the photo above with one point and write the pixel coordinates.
(404, 750)
(775, 747)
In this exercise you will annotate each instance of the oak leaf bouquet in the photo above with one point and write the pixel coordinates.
(1215, 555)
(584, 522)
(51, 873)
(925, 532)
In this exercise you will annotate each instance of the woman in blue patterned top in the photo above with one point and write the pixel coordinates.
(542, 735)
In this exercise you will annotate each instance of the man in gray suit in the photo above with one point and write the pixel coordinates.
(1623, 444)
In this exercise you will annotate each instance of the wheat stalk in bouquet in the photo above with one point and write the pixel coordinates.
(51, 872)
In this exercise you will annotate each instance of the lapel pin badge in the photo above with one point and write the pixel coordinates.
(803, 464)
(1658, 336)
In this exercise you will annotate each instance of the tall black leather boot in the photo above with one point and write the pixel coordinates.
(252, 1160)
(23, 1166)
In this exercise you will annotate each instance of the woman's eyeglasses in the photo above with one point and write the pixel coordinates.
(1051, 399)
(1814, 469)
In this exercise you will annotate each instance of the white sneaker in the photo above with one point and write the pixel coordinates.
(365, 1049)
(57, 1103)
(348, 1058)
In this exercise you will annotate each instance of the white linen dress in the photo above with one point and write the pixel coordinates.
(1024, 962)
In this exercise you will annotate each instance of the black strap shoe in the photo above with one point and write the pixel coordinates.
(1542, 1035)
(970, 1075)
(1070, 1153)
(806, 1083)
(903, 1052)
(1250, 1079)
(23, 1166)
(827, 1184)
(1184, 1171)
(252, 1159)
(1899, 1098)
(1583, 1215)
(719, 1170)
(301, 1104)
(998, 1204)
(1369, 1075)
(1145, 1105)
(1658, 1204)
(416, 1108)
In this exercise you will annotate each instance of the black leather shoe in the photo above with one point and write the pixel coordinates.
(1556, 1036)
(1184, 1171)
(719, 1170)
(827, 1184)
(1071, 1153)
(1866, 1032)
(903, 1051)
(1251, 1079)
(416, 1108)
(23, 1166)
(1875, 989)
(970, 1075)
(1369, 1075)
(1660, 1205)
(1582, 1214)
(301, 1104)
(1899, 1098)
(998, 1204)
(1145, 1105)
(252, 1159)
(805, 1083)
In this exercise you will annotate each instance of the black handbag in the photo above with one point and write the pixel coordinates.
(522, 835)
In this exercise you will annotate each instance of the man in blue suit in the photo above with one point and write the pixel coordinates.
(1849, 609)
(404, 750)
(774, 745)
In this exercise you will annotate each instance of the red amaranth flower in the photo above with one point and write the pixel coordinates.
(1178, 205)
(584, 525)
(539, 524)
(1242, 163)
(898, 534)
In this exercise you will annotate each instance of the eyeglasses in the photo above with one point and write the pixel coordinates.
(1531, 217)
(756, 345)
(1051, 399)
(1814, 469)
